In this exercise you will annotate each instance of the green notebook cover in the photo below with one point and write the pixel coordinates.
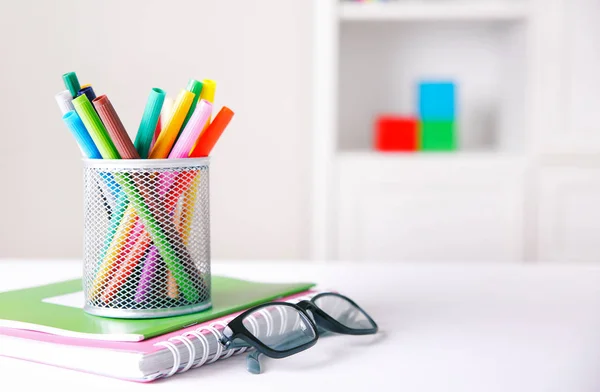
(43, 309)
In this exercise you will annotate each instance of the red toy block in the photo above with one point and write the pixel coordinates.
(396, 133)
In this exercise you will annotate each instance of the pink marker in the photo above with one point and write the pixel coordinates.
(192, 130)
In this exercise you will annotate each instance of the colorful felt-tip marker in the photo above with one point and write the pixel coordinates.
(195, 87)
(95, 127)
(89, 91)
(64, 101)
(211, 135)
(209, 88)
(83, 138)
(167, 137)
(71, 83)
(145, 133)
(115, 128)
(190, 134)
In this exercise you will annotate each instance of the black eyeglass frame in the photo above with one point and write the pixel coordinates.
(240, 332)
(321, 319)
(325, 321)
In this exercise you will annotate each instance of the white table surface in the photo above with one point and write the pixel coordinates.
(444, 327)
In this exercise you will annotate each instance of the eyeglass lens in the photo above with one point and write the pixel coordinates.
(344, 312)
(280, 327)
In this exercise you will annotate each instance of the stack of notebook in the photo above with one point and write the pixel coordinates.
(47, 324)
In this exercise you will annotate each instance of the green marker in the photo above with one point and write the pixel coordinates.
(167, 247)
(195, 87)
(143, 139)
(95, 127)
(72, 83)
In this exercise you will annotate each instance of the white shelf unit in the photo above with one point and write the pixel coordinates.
(381, 63)
(527, 131)
(444, 10)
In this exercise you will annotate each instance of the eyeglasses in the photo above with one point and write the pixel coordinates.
(281, 329)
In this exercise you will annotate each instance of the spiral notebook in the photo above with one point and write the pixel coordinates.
(143, 361)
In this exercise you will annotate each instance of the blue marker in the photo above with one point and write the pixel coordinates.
(89, 91)
(82, 136)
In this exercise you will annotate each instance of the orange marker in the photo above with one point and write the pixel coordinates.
(172, 289)
(209, 138)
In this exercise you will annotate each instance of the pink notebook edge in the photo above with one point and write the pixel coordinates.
(147, 346)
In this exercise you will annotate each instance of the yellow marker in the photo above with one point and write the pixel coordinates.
(114, 251)
(189, 202)
(167, 137)
(208, 93)
(208, 90)
(86, 85)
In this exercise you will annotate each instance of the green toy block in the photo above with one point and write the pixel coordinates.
(437, 135)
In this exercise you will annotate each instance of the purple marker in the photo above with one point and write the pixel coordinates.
(150, 266)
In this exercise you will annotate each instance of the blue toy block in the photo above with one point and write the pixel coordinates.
(437, 101)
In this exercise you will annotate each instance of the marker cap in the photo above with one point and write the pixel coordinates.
(63, 99)
(88, 91)
(72, 83)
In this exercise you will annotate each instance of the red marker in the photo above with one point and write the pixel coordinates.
(115, 128)
(210, 136)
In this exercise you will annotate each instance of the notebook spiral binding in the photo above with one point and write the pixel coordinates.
(215, 329)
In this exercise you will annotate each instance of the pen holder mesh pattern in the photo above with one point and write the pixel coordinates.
(146, 237)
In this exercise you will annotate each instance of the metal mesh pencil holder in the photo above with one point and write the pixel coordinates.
(146, 237)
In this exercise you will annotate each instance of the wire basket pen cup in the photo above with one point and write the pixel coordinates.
(146, 237)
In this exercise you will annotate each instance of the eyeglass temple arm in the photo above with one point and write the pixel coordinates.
(231, 344)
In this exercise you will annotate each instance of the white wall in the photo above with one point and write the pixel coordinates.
(258, 51)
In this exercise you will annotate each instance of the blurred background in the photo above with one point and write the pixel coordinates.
(407, 130)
